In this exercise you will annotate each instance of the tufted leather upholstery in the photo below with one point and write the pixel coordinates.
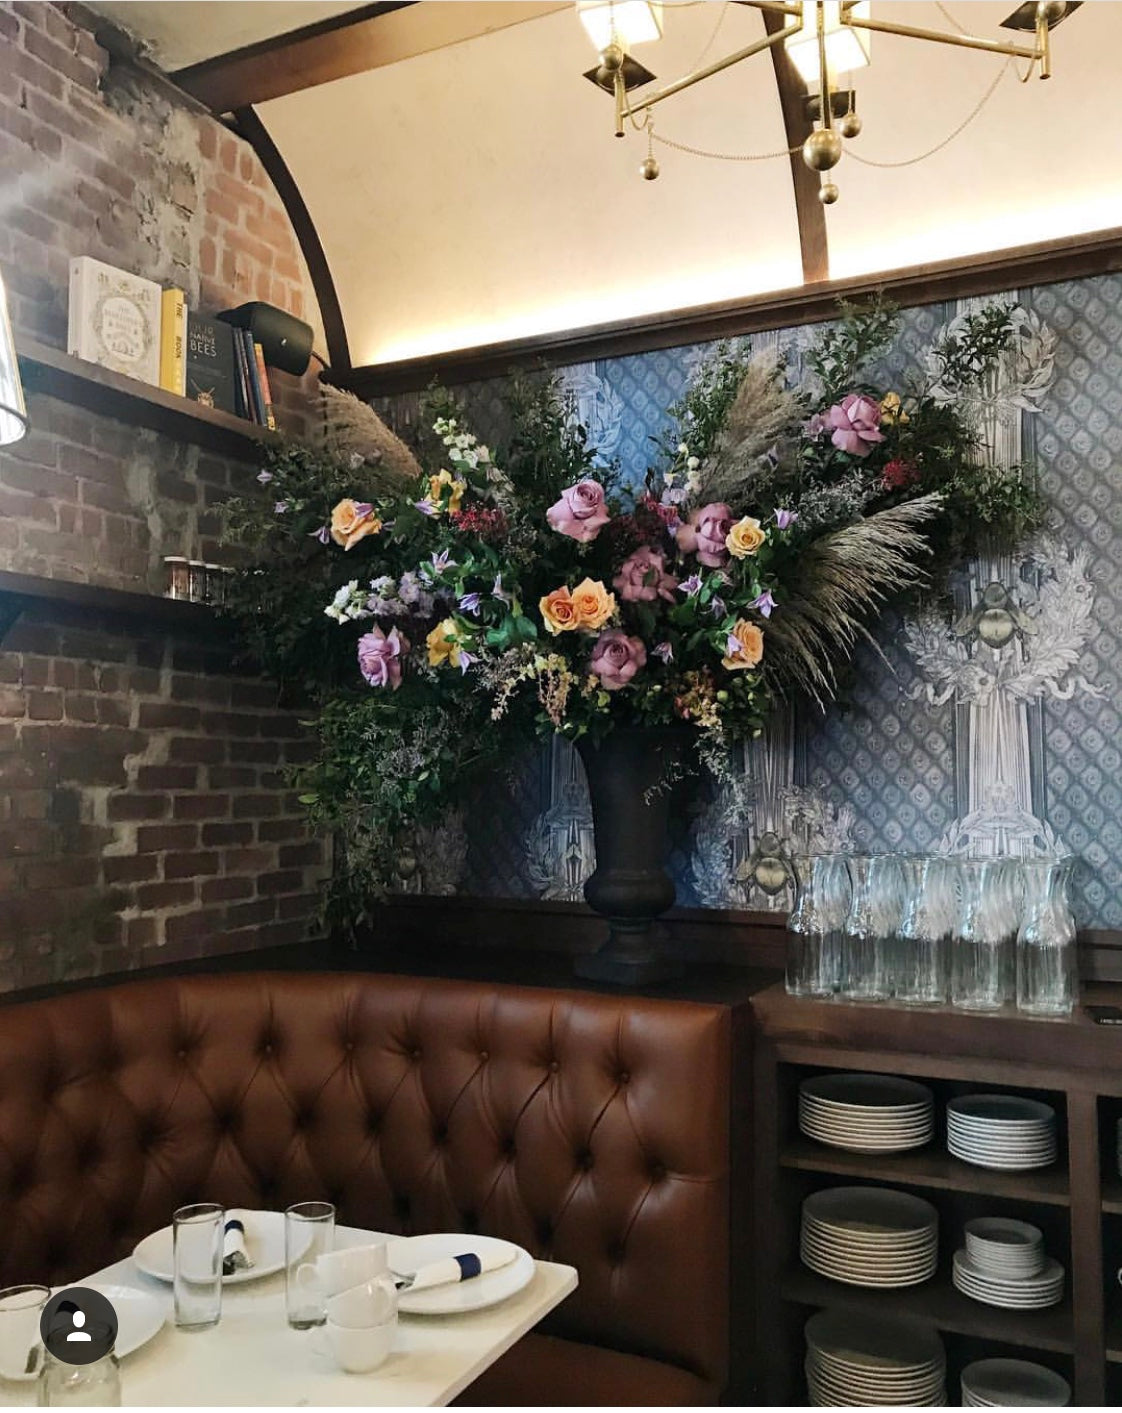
(592, 1130)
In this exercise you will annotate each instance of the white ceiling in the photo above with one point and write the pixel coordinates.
(183, 32)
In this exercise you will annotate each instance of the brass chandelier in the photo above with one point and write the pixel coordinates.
(822, 39)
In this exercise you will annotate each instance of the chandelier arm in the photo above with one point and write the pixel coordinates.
(962, 41)
(759, 47)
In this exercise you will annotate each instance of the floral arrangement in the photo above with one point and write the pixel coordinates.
(434, 616)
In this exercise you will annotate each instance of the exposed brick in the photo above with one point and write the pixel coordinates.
(164, 895)
(218, 835)
(190, 865)
(158, 714)
(136, 807)
(167, 777)
(157, 838)
(198, 750)
(256, 806)
(201, 806)
(133, 868)
(283, 881)
(224, 890)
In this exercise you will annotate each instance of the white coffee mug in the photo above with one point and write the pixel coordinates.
(374, 1302)
(336, 1271)
(358, 1351)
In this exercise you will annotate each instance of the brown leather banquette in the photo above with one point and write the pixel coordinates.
(592, 1130)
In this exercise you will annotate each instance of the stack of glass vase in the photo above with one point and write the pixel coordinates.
(925, 929)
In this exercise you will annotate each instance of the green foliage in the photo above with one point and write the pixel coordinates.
(843, 352)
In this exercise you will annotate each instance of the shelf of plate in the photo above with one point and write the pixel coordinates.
(1112, 1194)
(931, 1168)
(939, 1302)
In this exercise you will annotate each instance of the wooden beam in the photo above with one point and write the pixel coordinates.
(250, 126)
(1040, 264)
(306, 58)
(809, 211)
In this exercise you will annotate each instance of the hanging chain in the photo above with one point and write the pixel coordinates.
(911, 161)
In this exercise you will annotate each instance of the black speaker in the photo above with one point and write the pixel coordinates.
(285, 340)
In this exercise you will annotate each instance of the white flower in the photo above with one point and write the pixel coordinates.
(683, 449)
(670, 478)
(693, 463)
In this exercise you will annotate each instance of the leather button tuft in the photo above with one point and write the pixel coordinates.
(484, 1055)
(181, 1054)
(508, 1148)
(657, 1172)
(415, 1054)
(615, 1253)
(584, 1159)
(554, 1066)
(440, 1134)
(348, 1045)
(625, 1076)
(373, 1123)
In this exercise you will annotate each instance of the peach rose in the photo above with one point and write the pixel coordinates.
(744, 538)
(593, 604)
(558, 611)
(352, 521)
(745, 646)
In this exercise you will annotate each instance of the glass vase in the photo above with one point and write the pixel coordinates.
(1046, 954)
(814, 924)
(871, 928)
(985, 928)
(928, 919)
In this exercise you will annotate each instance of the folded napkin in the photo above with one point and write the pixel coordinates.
(454, 1268)
(235, 1257)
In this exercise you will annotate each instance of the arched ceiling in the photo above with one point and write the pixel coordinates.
(471, 192)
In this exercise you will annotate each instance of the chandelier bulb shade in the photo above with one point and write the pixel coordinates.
(13, 409)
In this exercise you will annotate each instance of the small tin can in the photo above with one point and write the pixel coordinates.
(179, 577)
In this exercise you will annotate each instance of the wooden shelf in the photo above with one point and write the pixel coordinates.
(49, 370)
(931, 1168)
(938, 1302)
(1114, 1337)
(17, 589)
(1112, 1194)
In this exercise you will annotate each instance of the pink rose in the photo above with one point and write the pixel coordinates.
(616, 658)
(580, 512)
(379, 657)
(642, 577)
(706, 533)
(856, 424)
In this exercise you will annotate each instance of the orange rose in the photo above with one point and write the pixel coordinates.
(352, 521)
(745, 646)
(744, 538)
(593, 604)
(558, 611)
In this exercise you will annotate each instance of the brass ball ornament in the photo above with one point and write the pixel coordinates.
(612, 57)
(828, 193)
(822, 150)
(849, 125)
(1051, 11)
(649, 169)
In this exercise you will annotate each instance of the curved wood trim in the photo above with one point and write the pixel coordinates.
(1040, 264)
(809, 211)
(253, 130)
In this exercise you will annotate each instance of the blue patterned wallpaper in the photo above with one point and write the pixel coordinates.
(1031, 766)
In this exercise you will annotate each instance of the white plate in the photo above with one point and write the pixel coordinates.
(864, 1091)
(264, 1239)
(1014, 1383)
(1000, 1108)
(409, 1253)
(875, 1340)
(140, 1317)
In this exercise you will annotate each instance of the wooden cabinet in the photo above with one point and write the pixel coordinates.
(1072, 1065)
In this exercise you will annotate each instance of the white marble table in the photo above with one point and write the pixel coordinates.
(252, 1358)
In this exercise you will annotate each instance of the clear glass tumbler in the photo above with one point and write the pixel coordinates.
(985, 926)
(871, 928)
(197, 1233)
(929, 911)
(309, 1232)
(21, 1350)
(96, 1385)
(814, 925)
(1046, 958)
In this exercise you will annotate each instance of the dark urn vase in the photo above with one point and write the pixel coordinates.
(629, 775)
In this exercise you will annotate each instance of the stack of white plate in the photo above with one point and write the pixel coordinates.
(1013, 1383)
(1005, 1247)
(853, 1361)
(870, 1236)
(866, 1113)
(1009, 1292)
(1001, 1131)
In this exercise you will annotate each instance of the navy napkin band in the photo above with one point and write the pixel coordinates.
(469, 1265)
(234, 1225)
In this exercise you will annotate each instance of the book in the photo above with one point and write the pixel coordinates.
(173, 342)
(211, 375)
(263, 383)
(256, 397)
(114, 319)
(245, 397)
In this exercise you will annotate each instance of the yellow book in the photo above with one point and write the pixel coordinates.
(173, 342)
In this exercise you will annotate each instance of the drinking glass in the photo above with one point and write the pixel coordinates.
(1046, 980)
(309, 1232)
(871, 926)
(197, 1233)
(985, 926)
(20, 1308)
(815, 923)
(928, 920)
(96, 1385)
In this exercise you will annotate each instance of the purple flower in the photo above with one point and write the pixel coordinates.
(690, 586)
(443, 561)
(705, 533)
(409, 589)
(717, 607)
(663, 651)
(580, 513)
(379, 657)
(426, 507)
(765, 603)
(466, 660)
(733, 645)
(280, 507)
(264, 477)
(470, 603)
(616, 659)
(643, 578)
(362, 509)
(784, 518)
(856, 424)
(498, 592)
(815, 426)
(323, 535)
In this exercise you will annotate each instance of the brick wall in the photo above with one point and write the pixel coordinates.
(144, 816)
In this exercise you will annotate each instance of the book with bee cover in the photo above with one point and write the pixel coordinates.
(211, 378)
(114, 319)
